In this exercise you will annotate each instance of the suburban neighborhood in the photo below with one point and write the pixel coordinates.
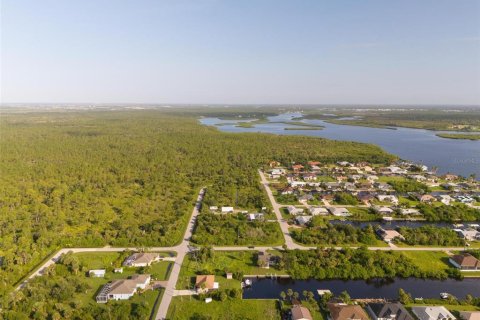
(302, 197)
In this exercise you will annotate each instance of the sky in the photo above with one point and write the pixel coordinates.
(241, 51)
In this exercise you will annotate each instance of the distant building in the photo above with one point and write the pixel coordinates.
(389, 235)
(97, 273)
(301, 313)
(470, 315)
(432, 313)
(318, 211)
(205, 283)
(341, 311)
(294, 210)
(227, 209)
(141, 259)
(465, 262)
(339, 212)
(387, 198)
(388, 311)
(123, 289)
(303, 220)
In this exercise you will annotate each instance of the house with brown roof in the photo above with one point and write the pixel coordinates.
(301, 313)
(465, 262)
(342, 311)
(141, 259)
(297, 167)
(205, 283)
(425, 198)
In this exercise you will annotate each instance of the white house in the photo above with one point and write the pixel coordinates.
(213, 208)
(387, 198)
(227, 209)
(96, 273)
(318, 211)
(294, 210)
(255, 216)
(432, 313)
(339, 212)
(141, 259)
(303, 220)
(409, 211)
(123, 289)
(468, 234)
(384, 210)
(445, 199)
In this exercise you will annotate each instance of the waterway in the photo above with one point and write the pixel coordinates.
(421, 146)
(358, 289)
(401, 223)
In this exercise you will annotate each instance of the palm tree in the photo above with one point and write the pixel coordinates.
(290, 293)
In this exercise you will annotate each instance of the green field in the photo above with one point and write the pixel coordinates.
(428, 260)
(186, 307)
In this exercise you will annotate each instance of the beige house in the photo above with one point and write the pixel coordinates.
(141, 259)
(123, 289)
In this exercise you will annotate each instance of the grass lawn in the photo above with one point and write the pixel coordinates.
(233, 261)
(101, 260)
(407, 201)
(362, 214)
(159, 270)
(428, 260)
(186, 307)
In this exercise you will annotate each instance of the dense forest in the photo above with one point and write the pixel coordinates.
(128, 178)
(431, 236)
(337, 234)
(458, 212)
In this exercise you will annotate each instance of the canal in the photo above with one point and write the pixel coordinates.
(375, 288)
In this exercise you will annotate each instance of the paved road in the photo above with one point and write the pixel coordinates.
(276, 209)
(446, 249)
(182, 249)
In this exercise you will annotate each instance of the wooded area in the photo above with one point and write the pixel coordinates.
(128, 178)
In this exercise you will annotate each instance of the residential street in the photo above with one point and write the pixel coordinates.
(183, 248)
(276, 208)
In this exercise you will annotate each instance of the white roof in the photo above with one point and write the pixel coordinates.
(97, 271)
(303, 219)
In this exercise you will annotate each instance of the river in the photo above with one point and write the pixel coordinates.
(358, 289)
(422, 146)
(401, 223)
